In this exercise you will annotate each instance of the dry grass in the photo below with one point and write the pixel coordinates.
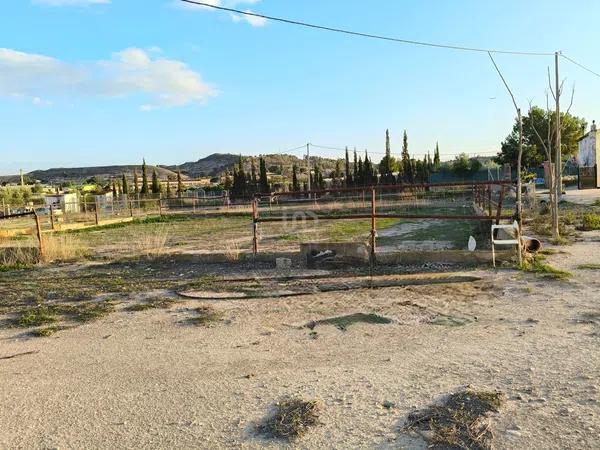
(206, 316)
(155, 303)
(291, 418)
(460, 422)
(63, 247)
(232, 251)
(151, 242)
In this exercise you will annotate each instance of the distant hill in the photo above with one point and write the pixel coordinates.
(217, 163)
(211, 166)
(103, 173)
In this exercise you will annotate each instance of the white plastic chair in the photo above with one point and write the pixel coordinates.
(514, 227)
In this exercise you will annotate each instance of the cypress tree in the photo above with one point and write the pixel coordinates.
(406, 163)
(227, 183)
(347, 169)
(136, 188)
(168, 188)
(114, 189)
(263, 177)
(355, 176)
(155, 183)
(295, 182)
(179, 184)
(125, 185)
(436, 158)
(253, 177)
(387, 164)
(361, 174)
(144, 189)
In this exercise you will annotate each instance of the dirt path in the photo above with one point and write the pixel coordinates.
(147, 380)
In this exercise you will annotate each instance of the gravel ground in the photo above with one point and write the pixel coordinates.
(149, 380)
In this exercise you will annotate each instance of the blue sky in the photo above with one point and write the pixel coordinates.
(112, 81)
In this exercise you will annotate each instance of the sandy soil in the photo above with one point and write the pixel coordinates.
(147, 380)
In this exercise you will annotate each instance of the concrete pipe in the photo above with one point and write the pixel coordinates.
(532, 245)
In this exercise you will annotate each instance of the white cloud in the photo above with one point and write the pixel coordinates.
(253, 21)
(161, 82)
(69, 2)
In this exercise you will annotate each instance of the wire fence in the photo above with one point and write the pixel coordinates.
(388, 217)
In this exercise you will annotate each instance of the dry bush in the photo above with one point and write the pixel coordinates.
(63, 247)
(460, 422)
(17, 253)
(232, 251)
(152, 242)
(291, 418)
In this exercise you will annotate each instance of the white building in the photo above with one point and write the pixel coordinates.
(589, 152)
(67, 202)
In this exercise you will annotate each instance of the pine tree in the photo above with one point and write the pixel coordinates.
(155, 183)
(125, 185)
(436, 158)
(179, 184)
(295, 182)
(136, 188)
(263, 177)
(144, 189)
(348, 175)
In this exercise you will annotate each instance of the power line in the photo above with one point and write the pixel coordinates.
(580, 65)
(366, 35)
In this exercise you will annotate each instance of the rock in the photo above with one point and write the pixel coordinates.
(513, 433)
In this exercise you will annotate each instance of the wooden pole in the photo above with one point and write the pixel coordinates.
(97, 219)
(373, 225)
(38, 227)
(254, 228)
(489, 200)
(52, 216)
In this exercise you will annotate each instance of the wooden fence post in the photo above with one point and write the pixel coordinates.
(254, 227)
(38, 228)
(373, 225)
(52, 216)
(97, 219)
(490, 200)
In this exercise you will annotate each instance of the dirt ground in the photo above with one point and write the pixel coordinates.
(150, 380)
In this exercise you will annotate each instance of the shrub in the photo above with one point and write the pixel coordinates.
(591, 221)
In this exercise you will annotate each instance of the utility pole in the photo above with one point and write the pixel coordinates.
(557, 157)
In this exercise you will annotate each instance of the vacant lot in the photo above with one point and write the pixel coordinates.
(125, 362)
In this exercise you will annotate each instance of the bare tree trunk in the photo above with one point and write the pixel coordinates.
(519, 180)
